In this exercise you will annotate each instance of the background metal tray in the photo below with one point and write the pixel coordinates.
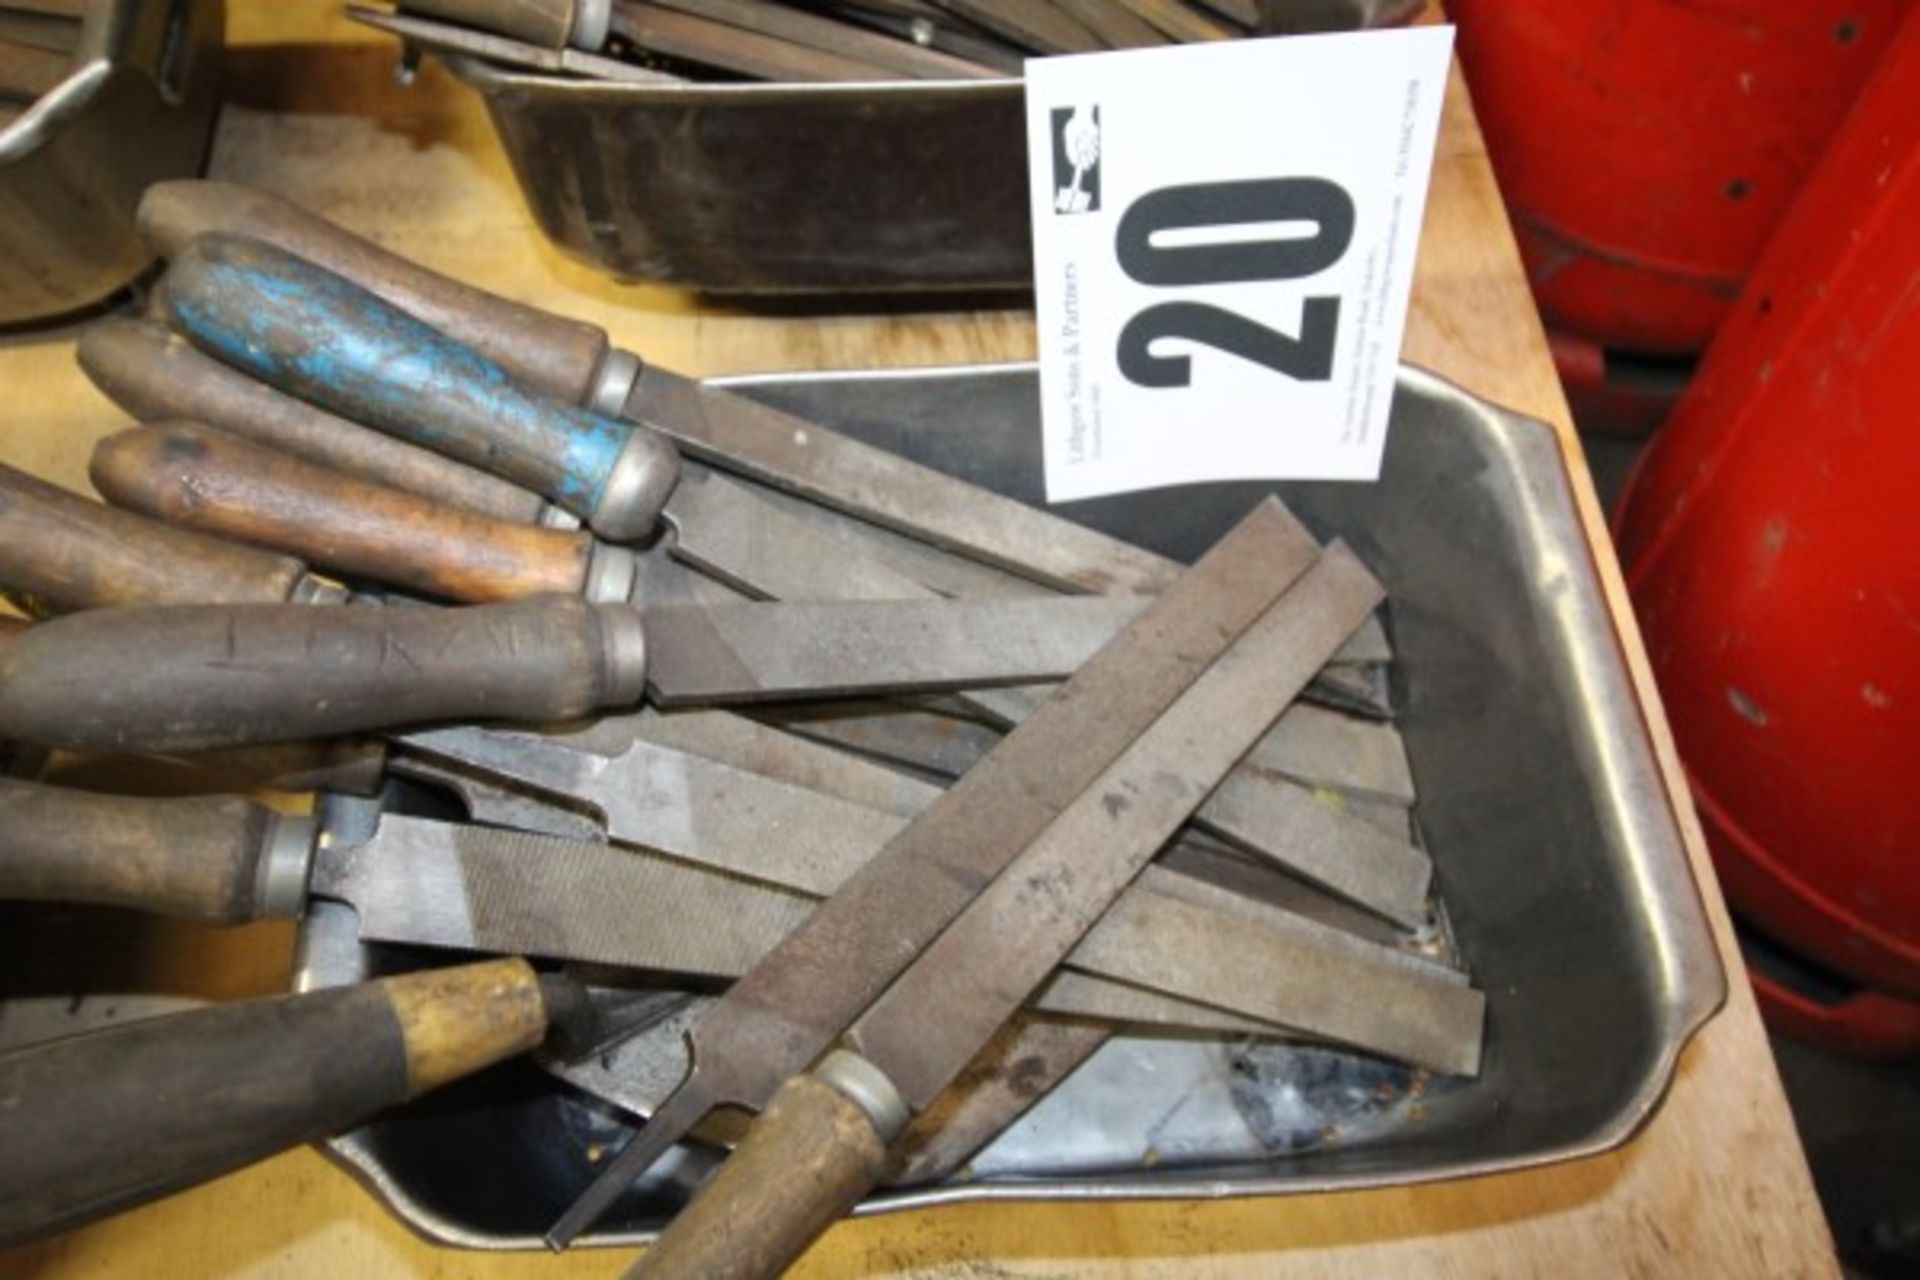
(1555, 847)
(137, 107)
(755, 188)
(773, 188)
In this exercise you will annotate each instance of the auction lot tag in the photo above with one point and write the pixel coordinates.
(1224, 239)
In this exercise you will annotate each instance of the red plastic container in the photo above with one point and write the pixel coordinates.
(1648, 148)
(1772, 545)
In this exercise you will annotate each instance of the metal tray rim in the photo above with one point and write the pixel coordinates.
(1623, 754)
(488, 77)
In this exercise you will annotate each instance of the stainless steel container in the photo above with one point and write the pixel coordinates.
(737, 188)
(773, 188)
(137, 107)
(1555, 846)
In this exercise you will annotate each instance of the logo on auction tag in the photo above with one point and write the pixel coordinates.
(1224, 240)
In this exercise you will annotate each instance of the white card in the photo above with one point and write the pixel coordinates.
(1224, 239)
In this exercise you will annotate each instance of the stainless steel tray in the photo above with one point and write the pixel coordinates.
(137, 107)
(753, 188)
(773, 188)
(1556, 850)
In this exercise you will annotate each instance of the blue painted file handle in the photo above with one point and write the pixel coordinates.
(325, 339)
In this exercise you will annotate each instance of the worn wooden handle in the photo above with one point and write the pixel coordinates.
(184, 678)
(217, 859)
(156, 375)
(101, 1122)
(60, 552)
(551, 24)
(325, 339)
(195, 478)
(562, 357)
(351, 766)
(803, 1165)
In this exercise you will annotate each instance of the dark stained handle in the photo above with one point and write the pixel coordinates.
(551, 24)
(802, 1166)
(217, 859)
(60, 552)
(353, 766)
(323, 338)
(157, 376)
(191, 677)
(101, 1122)
(194, 478)
(562, 357)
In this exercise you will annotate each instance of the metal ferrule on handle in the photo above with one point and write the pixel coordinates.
(285, 865)
(214, 859)
(867, 1086)
(822, 1142)
(325, 339)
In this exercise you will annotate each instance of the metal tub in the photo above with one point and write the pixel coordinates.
(1555, 843)
(773, 188)
(754, 188)
(137, 107)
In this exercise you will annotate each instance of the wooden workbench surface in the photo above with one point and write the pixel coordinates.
(1716, 1185)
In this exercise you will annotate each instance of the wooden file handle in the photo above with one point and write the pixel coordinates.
(216, 859)
(559, 356)
(194, 478)
(802, 1167)
(190, 677)
(323, 338)
(101, 1122)
(351, 766)
(156, 376)
(61, 552)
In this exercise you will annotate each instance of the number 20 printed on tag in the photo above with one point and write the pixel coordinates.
(1224, 241)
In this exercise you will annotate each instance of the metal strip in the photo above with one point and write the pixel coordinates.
(446, 885)
(726, 530)
(780, 1017)
(749, 541)
(1310, 835)
(969, 980)
(901, 566)
(686, 806)
(751, 651)
(1019, 1066)
(445, 37)
(771, 753)
(719, 816)
(927, 742)
(802, 457)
